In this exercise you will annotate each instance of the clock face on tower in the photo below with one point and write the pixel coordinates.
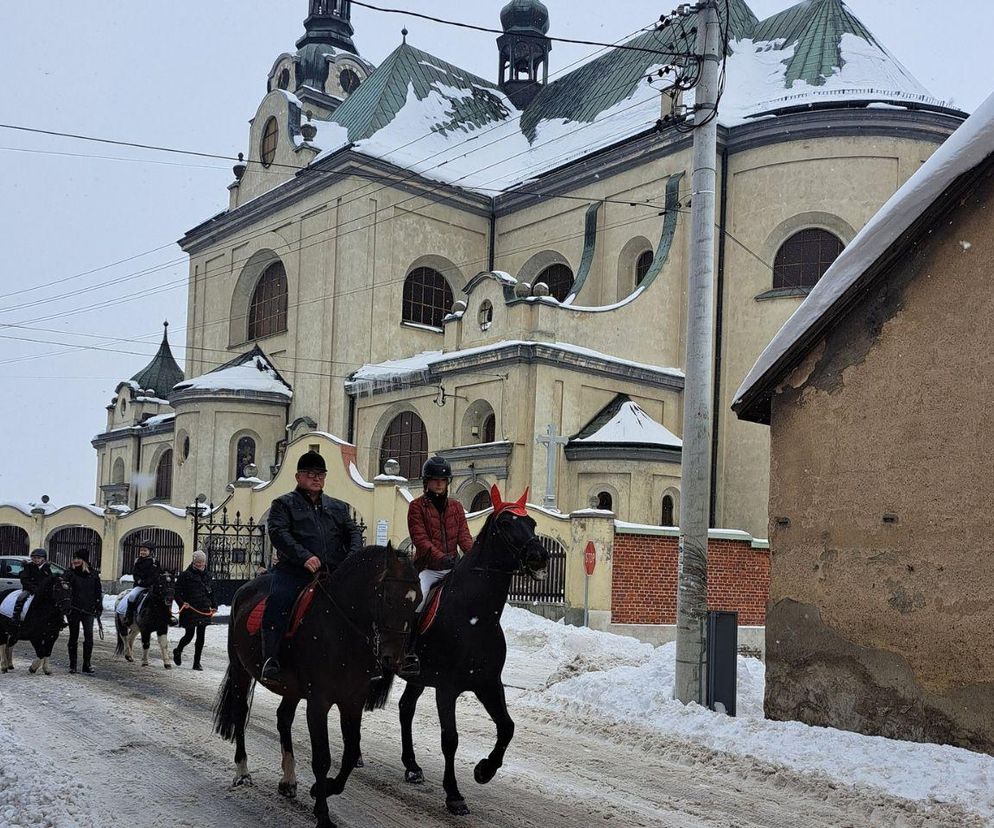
(349, 80)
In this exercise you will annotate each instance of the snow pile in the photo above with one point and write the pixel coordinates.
(255, 375)
(35, 793)
(602, 679)
(632, 425)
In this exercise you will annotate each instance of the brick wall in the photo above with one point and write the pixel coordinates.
(644, 577)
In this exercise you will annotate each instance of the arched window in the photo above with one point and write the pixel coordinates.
(117, 474)
(244, 455)
(605, 501)
(803, 259)
(559, 278)
(480, 502)
(667, 517)
(406, 441)
(267, 149)
(427, 297)
(267, 313)
(164, 476)
(489, 429)
(642, 266)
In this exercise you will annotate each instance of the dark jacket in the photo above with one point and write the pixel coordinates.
(145, 571)
(436, 538)
(299, 528)
(87, 594)
(33, 575)
(194, 587)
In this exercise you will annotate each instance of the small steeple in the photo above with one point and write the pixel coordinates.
(162, 373)
(524, 50)
(329, 23)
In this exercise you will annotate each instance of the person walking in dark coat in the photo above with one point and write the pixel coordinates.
(195, 598)
(33, 575)
(87, 605)
(309, 531)
(145, 571)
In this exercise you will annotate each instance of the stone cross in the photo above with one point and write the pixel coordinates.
(552, 442)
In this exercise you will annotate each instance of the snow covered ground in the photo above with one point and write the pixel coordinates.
(598, 738)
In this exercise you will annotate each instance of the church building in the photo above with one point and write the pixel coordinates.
(421, 260)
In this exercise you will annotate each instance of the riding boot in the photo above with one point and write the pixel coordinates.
(410, 667)
(129, 614)
(271, 668)
(87, 655)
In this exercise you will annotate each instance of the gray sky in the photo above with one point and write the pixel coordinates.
(189, 75)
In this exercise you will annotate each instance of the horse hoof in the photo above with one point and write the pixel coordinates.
(288, 790)
(457, 807)
(359, 763)
(243, 780)
(325, 822)
(168, 666)
(484, 771)
(46, 671)
(414, 777)
(129, 659)
(32, 670)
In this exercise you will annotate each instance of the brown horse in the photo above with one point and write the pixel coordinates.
(358, 623)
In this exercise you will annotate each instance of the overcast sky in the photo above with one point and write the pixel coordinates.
(189, 74)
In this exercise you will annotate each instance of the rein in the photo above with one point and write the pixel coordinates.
(187, 606)
(517, 549)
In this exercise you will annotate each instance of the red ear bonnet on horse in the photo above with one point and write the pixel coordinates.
(517, 507)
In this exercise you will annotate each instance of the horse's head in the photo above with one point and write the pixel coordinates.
(396, 595)
(61, 594)
(164, 588)
(513, 530)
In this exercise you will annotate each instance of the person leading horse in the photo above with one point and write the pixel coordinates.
(309, 530)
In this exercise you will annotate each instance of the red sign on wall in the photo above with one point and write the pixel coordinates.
(590, 558)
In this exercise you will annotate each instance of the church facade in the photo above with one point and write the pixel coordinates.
(420, 260)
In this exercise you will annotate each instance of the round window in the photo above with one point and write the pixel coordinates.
(270, 136)
(349, 80)
(485, 316)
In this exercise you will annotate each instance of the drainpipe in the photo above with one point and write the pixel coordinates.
(719, 305)
(138, 466)
(492, 253)
(351, 417)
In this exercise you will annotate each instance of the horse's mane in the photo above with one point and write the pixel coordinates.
(353, 565)
(47, 585)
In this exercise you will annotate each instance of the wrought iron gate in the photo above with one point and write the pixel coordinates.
(550, 591)
(168, 549)
(236, 551)
(64, 543)
(13, 540)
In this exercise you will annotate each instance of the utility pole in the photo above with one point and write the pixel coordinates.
(552, 442)
(691, 644)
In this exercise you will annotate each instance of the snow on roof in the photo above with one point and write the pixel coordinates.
(418, 368)
(159, 419)
(250, 372)
(633, 426)
(962, 151)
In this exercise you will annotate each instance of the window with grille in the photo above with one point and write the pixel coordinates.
(803, 259)
(164, 476)
(270, 136)
(642, 266)
(427, 297)
(267, 313)
(559, 278)
(667, 517)
(480, 502)
(245, 455)
(406, 441)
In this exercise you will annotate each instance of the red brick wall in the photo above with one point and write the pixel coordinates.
(643, 588)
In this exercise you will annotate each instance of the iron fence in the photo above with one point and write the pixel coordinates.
(550, 591)
(64, 543)
(236, 551)
(168, 549)
(13, 540)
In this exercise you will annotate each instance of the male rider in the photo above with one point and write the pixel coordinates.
(310, 531)
(33, 575)
(145, 571)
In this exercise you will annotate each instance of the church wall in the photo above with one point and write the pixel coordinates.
(880, 616)
(773, 192)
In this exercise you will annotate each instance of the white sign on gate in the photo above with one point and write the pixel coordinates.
(382, 530)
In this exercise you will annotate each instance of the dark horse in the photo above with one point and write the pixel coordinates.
(464, 648)
(40, 625)
(152, 617)
(358, 623)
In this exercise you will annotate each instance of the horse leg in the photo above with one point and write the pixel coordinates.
(445, 700)
(351, 722)
(284, 724)
(129, 649)
(493, 700)
(241, 683)
(8, 654)
(146, 644)
(317, 726)
(164, 649)
(408, 704)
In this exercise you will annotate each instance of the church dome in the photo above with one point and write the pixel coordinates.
(525, 15)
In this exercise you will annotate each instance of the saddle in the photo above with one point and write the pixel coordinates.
(122, 604)
(428, 614)
(300, 607)
(7, 605)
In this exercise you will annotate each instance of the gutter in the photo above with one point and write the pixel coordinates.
(719, 309)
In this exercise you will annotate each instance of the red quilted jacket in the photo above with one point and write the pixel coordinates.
(434, 538)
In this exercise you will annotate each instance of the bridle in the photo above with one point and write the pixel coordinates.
(519, 550)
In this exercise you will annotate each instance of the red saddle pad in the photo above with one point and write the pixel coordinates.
(431, 610)
(300, 608)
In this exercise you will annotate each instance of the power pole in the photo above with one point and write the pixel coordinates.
(692, 594)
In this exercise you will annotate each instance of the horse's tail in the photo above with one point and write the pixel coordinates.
(379, 691)
(230, 711)
(119, 650)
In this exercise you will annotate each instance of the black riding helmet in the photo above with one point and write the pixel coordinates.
(436, 468)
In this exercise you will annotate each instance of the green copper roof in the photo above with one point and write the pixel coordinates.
(377, 102)
(815, 28)
(162, 373)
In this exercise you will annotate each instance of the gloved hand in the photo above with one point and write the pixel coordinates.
(448, 562)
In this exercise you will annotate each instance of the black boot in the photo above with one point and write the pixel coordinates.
(178, 656)
(271, 668)
(410, 666)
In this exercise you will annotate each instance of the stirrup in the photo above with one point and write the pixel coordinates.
(271, 670)
(410, 667)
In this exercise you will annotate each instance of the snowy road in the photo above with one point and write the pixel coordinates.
(132, 746)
